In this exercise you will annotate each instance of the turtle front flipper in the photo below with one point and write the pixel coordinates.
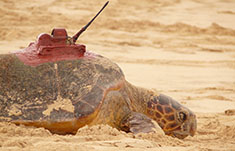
(137, 123)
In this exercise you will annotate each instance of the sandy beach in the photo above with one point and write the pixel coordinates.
(182, 48)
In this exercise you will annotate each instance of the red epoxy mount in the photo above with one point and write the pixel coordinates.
(55, 47)
(50, 48)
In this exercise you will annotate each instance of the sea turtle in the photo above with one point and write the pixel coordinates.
(62, 87)
(65, 95)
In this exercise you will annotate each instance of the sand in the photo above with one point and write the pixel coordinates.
(182, 48)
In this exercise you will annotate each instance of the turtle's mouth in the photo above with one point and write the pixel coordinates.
(183, 134)
(178, 133)
(185, 130)
(180, 136)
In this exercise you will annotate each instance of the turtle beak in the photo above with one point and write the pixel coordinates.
(192, 132)
(188, 128)
(193, 127)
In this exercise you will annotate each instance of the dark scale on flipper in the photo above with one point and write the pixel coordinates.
(170, 117)
(163, 121)
(150, 105)
(168, 109)
(158, 115)
(159, 108)
(171, 126)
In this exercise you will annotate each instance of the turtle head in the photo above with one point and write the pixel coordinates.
(184, 124)
(175, 119)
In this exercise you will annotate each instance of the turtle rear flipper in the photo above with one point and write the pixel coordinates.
(137, 123)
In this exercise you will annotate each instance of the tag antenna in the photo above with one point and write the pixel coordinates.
(75, 37)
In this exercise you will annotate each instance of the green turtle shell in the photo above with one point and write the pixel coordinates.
(55, 91)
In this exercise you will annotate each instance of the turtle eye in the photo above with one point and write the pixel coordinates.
(182, 116)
